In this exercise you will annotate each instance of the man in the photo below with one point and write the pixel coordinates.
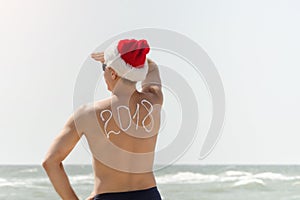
(121, 130)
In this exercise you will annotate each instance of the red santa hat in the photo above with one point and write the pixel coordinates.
(128, 58)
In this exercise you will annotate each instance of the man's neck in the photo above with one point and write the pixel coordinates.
(122, 89)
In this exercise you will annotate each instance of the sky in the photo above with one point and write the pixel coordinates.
(254, 45)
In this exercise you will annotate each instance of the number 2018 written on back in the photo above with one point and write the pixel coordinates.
(135, 116)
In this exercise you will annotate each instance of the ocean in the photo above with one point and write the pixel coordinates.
(177, 182)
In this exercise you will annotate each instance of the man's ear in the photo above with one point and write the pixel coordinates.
(113, 74)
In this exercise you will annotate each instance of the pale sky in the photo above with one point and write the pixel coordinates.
(254, 45)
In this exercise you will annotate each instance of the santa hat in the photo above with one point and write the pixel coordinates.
(128, 58)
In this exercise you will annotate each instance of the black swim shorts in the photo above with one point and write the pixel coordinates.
(145, 194)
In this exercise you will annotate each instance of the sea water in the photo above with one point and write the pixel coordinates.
(176, 182)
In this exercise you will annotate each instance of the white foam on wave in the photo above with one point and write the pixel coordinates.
(253, 181)
(80, 179)
(42, 182)
(237, 173)
(32, 180)
(13, 184)
(186, 177)
(29, 170)
(275, 176)
(190, 177)
(239, 177)
(230, 176)
(25, 182)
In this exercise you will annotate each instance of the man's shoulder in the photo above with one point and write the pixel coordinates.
(88, 108)
(86, 114)
(82, 110)
(154, 97)
(103, 104)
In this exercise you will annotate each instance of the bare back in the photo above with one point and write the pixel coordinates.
(123, 143)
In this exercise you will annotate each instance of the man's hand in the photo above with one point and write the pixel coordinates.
(98, 56)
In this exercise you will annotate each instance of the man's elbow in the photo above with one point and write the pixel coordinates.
(50, 163)
(46, 163)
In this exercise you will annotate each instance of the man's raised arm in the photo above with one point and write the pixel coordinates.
(152, 82)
